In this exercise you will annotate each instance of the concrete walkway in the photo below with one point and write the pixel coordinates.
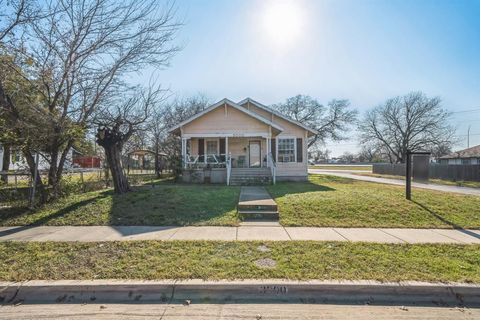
(253, 231)
(254, 196)
(437, 187)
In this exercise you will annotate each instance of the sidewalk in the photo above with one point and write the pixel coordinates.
(248, 232)
(437, 187)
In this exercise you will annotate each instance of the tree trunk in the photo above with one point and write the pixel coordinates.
(112, 141)
(6, 162)
(53, 180)
(42, 192)
(113, 154)
(157, 161)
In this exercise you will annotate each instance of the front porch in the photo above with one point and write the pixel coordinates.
(212, 157)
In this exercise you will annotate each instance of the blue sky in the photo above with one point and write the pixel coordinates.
(364, 51)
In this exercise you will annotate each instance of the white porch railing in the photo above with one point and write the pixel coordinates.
(198, 160)
(273, 167)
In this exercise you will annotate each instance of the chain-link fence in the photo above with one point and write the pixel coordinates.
(16, 186)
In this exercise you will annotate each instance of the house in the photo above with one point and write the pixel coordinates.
(243, 143)
(19, 163)
(144, 159)
(466, 156)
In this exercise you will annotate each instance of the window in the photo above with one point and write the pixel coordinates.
(286, 150)
(212, 147)
(465, 161)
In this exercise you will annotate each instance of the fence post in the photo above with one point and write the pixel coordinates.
(34, 184)
(408, 177)
(83, 182)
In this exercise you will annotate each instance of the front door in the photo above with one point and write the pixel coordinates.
(254, 154)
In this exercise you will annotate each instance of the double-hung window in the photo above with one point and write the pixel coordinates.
(212, 150)
(286, 150)
(212, 147)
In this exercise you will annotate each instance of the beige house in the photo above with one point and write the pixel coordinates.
(243, 143)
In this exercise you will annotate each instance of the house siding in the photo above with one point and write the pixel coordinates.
(229, 120)
(290, 130)
(222, 120)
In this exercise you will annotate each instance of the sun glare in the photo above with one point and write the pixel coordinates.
(283, 21)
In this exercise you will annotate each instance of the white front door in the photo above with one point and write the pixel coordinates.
(255, 157)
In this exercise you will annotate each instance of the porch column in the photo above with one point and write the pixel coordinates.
(226, 148)
(268, 151)
(184, 152)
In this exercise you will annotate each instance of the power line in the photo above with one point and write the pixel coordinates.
(465, 111)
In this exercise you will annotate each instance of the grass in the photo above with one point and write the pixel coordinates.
(470, 184)
(322, 201)
(21, 261)
(342, 167)
(164, 204)
(333, 201)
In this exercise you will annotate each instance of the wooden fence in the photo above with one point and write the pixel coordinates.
(458, 172)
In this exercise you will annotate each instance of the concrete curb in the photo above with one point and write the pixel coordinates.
(259, 291)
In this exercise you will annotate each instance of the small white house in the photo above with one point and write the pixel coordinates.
(18, 161)
(244, 142)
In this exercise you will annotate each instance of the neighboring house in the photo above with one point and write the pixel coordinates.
(240, 143)
(144, 159)
(18, 162)
(466, 156)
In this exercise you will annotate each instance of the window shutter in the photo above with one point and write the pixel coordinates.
(201, 149)
(274, 149)
(222, 146)
(299, 150)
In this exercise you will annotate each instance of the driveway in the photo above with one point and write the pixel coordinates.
(437, 187)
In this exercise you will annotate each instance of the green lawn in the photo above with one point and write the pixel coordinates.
(21, 261)
(342, 167)
(322, 201)
(470, 184)
(164, 204)
(334, 201)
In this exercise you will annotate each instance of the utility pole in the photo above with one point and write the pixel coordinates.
(468, 137)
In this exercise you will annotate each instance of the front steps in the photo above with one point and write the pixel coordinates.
(250, 176)
(255, 203)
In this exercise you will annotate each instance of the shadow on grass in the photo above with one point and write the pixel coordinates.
(45, 219)
(450, 223)
(167, 203)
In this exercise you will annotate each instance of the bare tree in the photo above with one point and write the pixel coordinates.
(15, 13)
(117, 124)
(173, 113)
(347, 157)
(372, 152)
(81, 53)
(413, 122)
(331, 122)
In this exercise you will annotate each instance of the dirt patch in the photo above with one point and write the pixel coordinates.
(266, 263)
(263, 248)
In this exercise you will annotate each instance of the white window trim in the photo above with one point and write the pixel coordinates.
(294, 147)
(205, 145)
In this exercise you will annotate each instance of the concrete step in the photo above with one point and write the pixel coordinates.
(250, 181)
(256, 214)
(258, 207)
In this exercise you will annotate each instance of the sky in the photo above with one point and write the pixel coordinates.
(364, 51)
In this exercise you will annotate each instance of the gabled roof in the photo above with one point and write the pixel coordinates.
(232, 104)
(278, 114)
(473, 152)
